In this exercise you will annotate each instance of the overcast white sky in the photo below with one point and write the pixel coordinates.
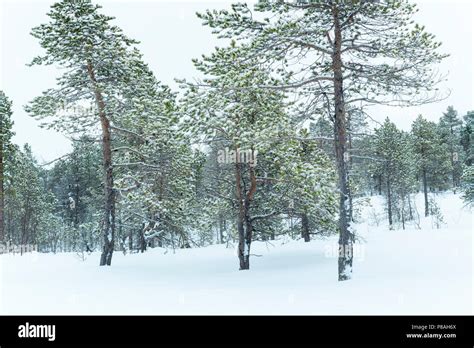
(171, 35)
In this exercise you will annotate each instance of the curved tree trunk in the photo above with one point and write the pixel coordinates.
(109, 193)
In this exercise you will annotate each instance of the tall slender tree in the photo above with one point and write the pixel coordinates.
(100, 62)
(467, 141)
(450, 128)
(433, 162)
(5, 149)
(394, 163)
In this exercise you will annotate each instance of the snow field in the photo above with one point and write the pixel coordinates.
(412, 271)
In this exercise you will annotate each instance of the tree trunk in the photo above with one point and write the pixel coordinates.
(349, 166)
(340, 137)
(389, 203)
(454, 170)
(425, 192)
(130, 241)
(142, 240)
(221, 228)
(245, 230)
(244, 222)
(109, 193)
(305, 227)
(410, 211)
(403, 213)
(242, 225)
(453, 163)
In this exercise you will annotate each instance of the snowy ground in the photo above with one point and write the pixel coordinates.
(428, 271)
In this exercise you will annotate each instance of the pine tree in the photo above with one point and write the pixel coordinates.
(101, 65)
(432, 157)
(154, 173)
(468, 184)
(450, 128)
(394, 162)
(310, 186)
(467, 142)
(245, 120)
(5, 152)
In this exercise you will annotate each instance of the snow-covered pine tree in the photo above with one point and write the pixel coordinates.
(394, 162)
(6, 134)
(216, 205)
(468, 184)
(258, 144)
(467, 141)
(432, 157)
(99, 63)
(450, 129)
(307, 179)
(154, 167)
(244, 121)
